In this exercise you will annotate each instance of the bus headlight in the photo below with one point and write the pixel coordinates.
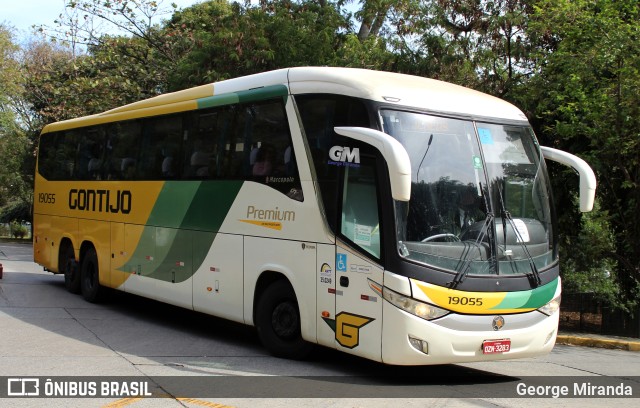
(551, 307)
(413, 306)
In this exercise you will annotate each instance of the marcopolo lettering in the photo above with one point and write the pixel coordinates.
(118, 201)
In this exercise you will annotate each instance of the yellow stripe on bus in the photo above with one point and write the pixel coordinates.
(473, 302)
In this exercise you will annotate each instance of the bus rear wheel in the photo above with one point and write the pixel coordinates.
(92, 291)
(68, 265)
(278, 322)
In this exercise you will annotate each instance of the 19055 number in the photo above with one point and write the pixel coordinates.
(46, 198)
(464, 301)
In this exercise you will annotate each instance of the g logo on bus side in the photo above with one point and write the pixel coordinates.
(347, 328)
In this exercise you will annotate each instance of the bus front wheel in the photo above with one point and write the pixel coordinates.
(89, 277)
(278, 322)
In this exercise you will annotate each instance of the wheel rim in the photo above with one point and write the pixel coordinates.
(284, 320)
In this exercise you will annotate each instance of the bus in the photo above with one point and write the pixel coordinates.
(398, 218)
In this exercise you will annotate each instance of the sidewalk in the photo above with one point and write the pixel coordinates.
(597, 340)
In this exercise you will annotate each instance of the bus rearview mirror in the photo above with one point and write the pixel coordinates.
(394, 154)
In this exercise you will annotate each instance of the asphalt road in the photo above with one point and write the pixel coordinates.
(190, 359)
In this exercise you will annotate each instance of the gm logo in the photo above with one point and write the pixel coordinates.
(344, 154)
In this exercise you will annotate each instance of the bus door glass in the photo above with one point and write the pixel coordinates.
(358, 253)
(346, 178)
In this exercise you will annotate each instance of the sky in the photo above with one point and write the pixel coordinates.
(23, 14)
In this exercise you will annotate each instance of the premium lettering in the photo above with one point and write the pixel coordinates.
(270, 215)
(118, 201)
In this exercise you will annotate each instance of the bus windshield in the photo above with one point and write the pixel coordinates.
(480, 200)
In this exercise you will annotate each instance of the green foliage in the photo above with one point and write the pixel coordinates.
(16, 174)
(9, 79)
(18, 230)
(587, 101)
(589, 262)
(9, 67)
(482, 45)
(227, 40)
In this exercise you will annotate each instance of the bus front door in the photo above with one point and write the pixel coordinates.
(358, 318)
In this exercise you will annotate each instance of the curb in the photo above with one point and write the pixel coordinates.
(601, 343)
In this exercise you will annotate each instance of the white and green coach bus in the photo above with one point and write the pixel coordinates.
(398, 218)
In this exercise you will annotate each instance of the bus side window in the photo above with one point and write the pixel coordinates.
(95, 167)
(268, 156)
(319, 114)
(56, 156)
(161, 138)
(91, 152)
(123, 145)
(202, 144)
(48, 163)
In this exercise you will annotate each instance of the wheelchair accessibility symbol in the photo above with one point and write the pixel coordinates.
(341, 262)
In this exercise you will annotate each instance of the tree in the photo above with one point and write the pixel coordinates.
(592, 269)
(86, 23)
(586, 100)
(124, 40)
(16, 181)
(230, 40)
(478, 44)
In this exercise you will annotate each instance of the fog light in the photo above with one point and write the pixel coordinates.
(420, 345)
(549, 337)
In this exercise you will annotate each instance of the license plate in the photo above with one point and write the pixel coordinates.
(496, 346)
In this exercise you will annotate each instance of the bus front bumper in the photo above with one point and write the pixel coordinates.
(410, 340)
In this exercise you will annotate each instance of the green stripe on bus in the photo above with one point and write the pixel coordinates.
(210, 205)
(208, 209)
(258, 94)
(514, 300)
(542, 295)
(218, 100)
(529, 299)
(267, 92)
(182, 209)
(173, 203)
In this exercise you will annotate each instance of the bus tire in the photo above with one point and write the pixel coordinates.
(92, 291)
(68, 265)
(278, 322)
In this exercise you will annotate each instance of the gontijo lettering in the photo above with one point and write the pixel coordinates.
(118, 201)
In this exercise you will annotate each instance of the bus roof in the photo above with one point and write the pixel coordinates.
(394, 88)
(405, 90)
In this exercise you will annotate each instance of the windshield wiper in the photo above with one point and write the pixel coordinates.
(534, 276)
(466, 262)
